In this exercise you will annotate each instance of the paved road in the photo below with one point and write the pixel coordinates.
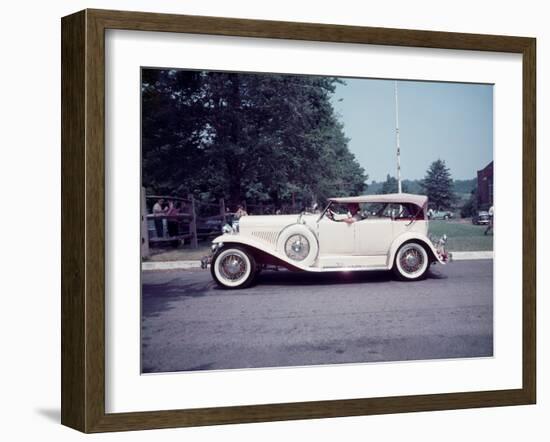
(291, 319)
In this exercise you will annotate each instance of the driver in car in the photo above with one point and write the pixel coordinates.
(353, 213)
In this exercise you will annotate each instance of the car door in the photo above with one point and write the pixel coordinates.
(373, 236)
(336, 237)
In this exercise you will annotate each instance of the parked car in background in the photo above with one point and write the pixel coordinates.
(440, 214)
(372, 232)
(210, 227)
(481, 218)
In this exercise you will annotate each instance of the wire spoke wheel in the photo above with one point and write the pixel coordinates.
(233, 268)
(411, 261)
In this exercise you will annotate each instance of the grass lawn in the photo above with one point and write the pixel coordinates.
(462, 235)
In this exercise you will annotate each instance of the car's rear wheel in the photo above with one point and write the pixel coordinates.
(411, 262)
(233, 267)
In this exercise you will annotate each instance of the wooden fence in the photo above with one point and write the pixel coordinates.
(193, 220)
(190, 222)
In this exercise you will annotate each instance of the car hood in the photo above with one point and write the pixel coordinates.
(276, 222)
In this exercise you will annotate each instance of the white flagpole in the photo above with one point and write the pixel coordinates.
(397, 140)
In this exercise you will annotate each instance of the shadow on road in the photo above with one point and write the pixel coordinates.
(304, 278)
(284, 278)
(160, 297)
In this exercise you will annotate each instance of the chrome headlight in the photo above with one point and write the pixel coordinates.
(297, 247)
(228, 229)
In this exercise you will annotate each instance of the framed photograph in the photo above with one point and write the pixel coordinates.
(268, 221)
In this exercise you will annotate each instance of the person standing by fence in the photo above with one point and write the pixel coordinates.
(238, 215)
(491, 224)
(159, 211)
(173, 220)
(240, 212)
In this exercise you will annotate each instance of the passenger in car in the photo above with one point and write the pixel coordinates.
(354, 213)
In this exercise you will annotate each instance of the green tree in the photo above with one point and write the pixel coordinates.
(263, 138)
(438, 186)
(390, 186)
(470, 208)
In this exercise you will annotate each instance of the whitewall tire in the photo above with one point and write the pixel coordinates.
(411, 262)
(233, 267)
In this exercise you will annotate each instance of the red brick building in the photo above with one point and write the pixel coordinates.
(485, 187)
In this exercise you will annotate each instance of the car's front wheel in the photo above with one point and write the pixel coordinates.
(411, 262)
(233, 267)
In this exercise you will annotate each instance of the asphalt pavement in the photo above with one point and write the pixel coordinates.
(298, 319)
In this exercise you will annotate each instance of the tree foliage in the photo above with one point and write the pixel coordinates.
(470, 208)
(438, 186)
(390, 186)
(254, 137)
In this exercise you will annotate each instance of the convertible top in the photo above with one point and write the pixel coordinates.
(419, 200)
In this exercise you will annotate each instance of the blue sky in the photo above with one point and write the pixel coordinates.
(451, 121)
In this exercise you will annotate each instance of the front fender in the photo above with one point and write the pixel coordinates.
(413, 236)
(259, 246)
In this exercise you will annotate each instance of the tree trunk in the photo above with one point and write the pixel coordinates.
(234, 163)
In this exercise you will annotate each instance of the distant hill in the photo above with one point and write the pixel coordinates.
(465, 186)
(461, 187)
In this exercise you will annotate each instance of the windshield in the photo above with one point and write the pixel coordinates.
(362, 211)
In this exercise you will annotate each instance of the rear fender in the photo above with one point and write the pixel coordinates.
(416, 237)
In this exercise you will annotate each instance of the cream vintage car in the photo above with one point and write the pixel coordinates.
(359, 233)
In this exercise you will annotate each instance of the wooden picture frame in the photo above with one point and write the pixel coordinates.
(83, 220)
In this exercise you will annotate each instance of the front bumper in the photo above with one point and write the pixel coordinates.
(442, 255)
(207, 260)
(446, 257)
